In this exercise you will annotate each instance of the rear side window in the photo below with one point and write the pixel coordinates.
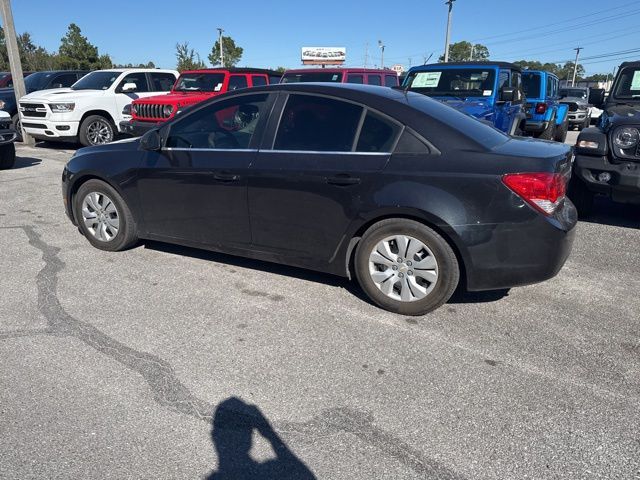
(390, 80)
(320, 124)
(237, 81)
(531, 84)
(378, 134)
(374, 80)
(274, 79)
(355, 79)
(140, 79)
(162, 82)
(258, 80)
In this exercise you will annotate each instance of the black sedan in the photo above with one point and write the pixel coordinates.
(408, 195)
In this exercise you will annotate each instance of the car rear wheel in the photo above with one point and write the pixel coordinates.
(96, 130)
(406, 267)
(16, 126)
(7, 156)
(549, 132)
(561, 131)
(103, 217)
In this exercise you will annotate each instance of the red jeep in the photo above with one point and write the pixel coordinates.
(192, 87)
(368, 76)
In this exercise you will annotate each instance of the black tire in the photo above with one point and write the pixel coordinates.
(549, 132)
(16, 126)
(126, 235)
(447, 264)
(7, 156)
(561, 131)
(87, 139)
(581, 197)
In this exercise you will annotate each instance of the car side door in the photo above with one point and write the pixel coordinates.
(314, 174)
(195, 188)
(123, 98)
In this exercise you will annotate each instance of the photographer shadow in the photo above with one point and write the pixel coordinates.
(232, 428)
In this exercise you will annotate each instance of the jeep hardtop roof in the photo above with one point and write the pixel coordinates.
(526, 70)
(635, 63)
(233, 70)
(467, 64)
(342, 70)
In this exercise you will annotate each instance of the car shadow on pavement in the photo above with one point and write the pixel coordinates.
(233, 426)
(26, 162)
(606, 212)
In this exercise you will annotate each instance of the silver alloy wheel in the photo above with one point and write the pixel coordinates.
(99, 132)
(100, 216)
(403, 268)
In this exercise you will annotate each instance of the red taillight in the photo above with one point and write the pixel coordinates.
(541, 108)
(543, 191)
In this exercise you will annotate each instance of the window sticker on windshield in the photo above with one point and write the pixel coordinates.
(426, 80)
(218, 87)
(487, 93)
(635, 81)
(334, 78)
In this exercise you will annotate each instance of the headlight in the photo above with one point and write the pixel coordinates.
(62, 107)
(167, 110)
(2, 104)
(626, 137)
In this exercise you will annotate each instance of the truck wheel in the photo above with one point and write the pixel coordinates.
(96, 130)
(581, 197)
(561, 131)
(16, 126)
(549, 132)
(7, 156)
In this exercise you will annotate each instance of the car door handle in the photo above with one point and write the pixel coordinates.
(343, 180)
(226, 177)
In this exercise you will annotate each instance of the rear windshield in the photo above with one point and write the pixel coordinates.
(480, 132)
(628, 84)
(200, 82)
(100, 80)
(531, 84)
(312, 77)
(453, 82)
(573, 93)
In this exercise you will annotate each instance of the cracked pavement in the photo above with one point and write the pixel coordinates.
(114, 365)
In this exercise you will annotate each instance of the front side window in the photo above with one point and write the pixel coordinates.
(162, 82)
(320, 124)
(378, 134)
(237, 81)
(223, 125)
(628, 84)
(374, 80)
(457, 82)
(200, 82)
(531, 85)
(100, 80)
(140, 79)
(64, 80)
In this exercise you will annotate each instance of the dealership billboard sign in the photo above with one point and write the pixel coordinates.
(323, 55)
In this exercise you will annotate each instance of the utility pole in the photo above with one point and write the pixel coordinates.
(220, 30)
(381, 45)
(14, 57)
(472, 48)
(575, 66)
(366, 54)
(446, 45)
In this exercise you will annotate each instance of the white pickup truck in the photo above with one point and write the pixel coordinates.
(90, 111)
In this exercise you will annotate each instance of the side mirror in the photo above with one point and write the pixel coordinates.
(129, 87)
(596, 97)
(508, 94)
(151, 141)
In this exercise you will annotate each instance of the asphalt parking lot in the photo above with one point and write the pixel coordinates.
(165, 362)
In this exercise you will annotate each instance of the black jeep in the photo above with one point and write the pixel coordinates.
(607, 158)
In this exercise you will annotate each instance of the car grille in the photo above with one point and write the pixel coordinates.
(151, 110)
(573, 107)
(33, 110)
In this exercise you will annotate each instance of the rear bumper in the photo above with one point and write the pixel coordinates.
(624, 184)
(535, 126)
(136, 128)
(515, 254)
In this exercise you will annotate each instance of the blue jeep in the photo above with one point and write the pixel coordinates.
(489, 91)
(546, 117)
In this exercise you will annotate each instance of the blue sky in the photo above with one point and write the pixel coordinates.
(272, 33)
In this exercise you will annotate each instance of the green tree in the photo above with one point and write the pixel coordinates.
(77, 52)
(232, 53)
(463, 51)
(598, 77)
(187, 58)
(281, 69)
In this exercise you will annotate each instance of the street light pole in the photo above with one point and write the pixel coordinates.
(381, 45)
(446, 45)
(14, 58)
(575, 66)
(220, 30)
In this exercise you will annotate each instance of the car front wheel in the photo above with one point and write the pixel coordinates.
(103, 217)
(96, 130)
(406, 267)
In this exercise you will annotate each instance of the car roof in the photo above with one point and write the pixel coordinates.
(466, 64)
(342, 70)
(122, 70)
(635, 63)
(526, 70)
(234, 70)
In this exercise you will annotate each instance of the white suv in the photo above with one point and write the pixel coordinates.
(91, 109)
